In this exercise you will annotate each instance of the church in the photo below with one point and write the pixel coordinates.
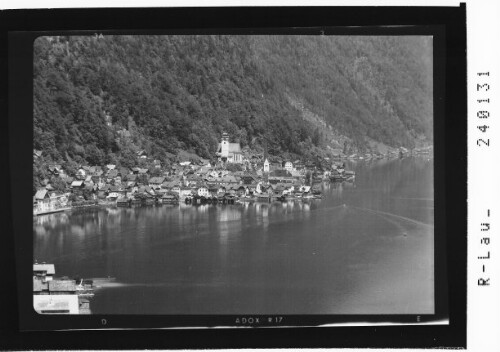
(229, 152)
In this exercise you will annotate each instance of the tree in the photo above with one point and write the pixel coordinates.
(58, 184)
(233, 167)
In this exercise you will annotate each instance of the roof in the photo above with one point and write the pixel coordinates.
(76, 183)
(170, 184)
(49, 268)
(56, 303)
(112, 173)
(124, 171)
(62, 286)
(39, 286)
(41, 193)
(114, 188)
(156, 180)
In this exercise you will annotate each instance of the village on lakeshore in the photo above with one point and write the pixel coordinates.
(231, 177)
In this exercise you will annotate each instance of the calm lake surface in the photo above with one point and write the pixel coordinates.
(365, 248)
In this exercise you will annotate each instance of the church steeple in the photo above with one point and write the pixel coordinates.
(266, 159)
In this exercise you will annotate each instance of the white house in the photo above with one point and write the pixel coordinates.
(203, 191)
(229, 152)
(184, 192)
(288, 166)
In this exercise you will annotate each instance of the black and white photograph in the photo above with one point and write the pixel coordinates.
(233, 174)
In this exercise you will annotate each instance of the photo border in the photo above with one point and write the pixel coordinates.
(447, 25)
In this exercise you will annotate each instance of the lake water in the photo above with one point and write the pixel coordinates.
(365, 248)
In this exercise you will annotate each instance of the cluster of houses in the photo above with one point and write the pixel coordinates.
(185, 179)
(203, 178)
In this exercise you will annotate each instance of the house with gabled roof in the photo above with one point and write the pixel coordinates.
(156, 181)
(78, 184)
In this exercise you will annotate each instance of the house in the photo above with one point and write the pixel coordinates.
(213, 190)
(156, 182)
(48, 202)
(55, 169)
(157, 164)
(229, 152)
(41, 194)
(247, 179)
(202, 191)
(78, 184)
(221, 190)
(142, 154)
(131, 187)
(288, 166)
(112, 174)
(98, 171)
(241, 191)
(130, 178)
(45, 272)
(185, 163)
(147, 190)
(110, 167)
(116, 192)
(123, 171)
(184, 192)
(229, 179)
(37, 153)
(232, 190)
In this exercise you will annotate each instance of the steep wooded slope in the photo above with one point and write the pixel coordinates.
(99, 99)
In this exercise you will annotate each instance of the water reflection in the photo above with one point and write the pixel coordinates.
(366, 247)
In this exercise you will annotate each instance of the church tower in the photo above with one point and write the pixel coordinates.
(266, 165)
(224, 146)
(266, 160)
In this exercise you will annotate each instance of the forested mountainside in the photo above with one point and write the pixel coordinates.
(99, 99)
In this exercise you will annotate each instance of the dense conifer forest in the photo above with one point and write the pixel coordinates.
(99, 99)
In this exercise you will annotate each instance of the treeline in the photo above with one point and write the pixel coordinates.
(100, 99)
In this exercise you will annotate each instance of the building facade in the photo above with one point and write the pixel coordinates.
(229, 152)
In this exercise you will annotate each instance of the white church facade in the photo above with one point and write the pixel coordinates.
(229, 152)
